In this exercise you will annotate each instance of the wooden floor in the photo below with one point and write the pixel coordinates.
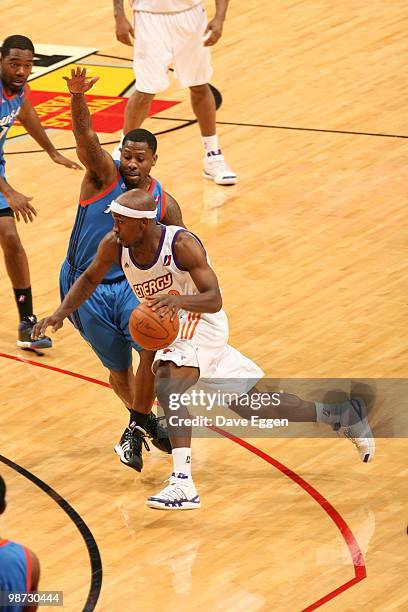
(310, 250)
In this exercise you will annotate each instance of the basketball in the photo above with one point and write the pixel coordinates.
(150, 330)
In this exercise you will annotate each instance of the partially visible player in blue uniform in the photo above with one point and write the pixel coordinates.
(19, 566)
(102, 320)
(16, 63)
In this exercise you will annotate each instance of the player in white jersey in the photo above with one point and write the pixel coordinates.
(168, 268)
(175, 32)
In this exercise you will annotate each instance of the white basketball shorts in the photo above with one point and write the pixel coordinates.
(172, 38)
(203, 345)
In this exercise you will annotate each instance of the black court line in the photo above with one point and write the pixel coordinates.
(186, 123)
(122, 93)
(123, 59)
(91, 545)
(305, 129)
(289, 127)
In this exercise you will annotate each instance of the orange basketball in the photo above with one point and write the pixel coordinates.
(150, 330)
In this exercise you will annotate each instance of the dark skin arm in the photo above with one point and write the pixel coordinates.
(35, 579)
(30, 120)
(123, 27)
(100, 167)
(84, 286)
(214, 27)
(18, 202)
(173, 214)
(191, 256)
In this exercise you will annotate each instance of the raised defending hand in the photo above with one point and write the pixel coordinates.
(213, 32)
(124, 30)
(165, 304)
(79, 83)
(40, 327)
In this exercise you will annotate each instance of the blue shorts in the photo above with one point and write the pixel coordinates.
(103, 319)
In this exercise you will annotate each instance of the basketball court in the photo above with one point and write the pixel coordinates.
(310, 251)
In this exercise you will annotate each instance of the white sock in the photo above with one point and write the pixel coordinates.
(210, 143)
(329, 414)
(182, 461)
(335, 415)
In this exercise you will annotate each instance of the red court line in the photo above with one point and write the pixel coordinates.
(348, 536)
(354, 549)
(55, 369)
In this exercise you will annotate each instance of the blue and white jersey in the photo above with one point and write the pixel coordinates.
(15, 570)
(92, 224)
(10, 107)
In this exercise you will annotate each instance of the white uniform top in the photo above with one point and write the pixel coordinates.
(202, 340)
(163, 6)
(164, 275)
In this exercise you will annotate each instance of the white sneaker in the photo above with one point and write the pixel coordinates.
(216, 169)
(357, 428)
(180, 494)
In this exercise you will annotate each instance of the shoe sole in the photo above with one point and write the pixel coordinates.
(118, 451)
(226, 181)
(32, 345)
(186, 506)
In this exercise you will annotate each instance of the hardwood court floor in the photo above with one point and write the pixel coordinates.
(310, 249)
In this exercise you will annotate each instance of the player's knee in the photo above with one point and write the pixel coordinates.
(141, 97)
(199, 91)
(165, 384)
(118, 378)
(11, 243)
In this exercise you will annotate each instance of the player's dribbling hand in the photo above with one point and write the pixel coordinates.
(20, 205)
(78, 82)
(40, 327)
(124, 30)
(213, 32)
(165, 305)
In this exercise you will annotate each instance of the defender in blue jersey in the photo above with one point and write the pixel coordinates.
(16, 62)
(19, 567)
(102, 320)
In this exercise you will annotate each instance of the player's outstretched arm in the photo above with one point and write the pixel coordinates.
(172, 214)
(32, 124)
(84, 286)
(97, 161)
(191, 257)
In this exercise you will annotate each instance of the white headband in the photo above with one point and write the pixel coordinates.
(130, 212)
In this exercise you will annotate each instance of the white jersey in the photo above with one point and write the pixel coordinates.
(165, 275)
(163, 6)
(202, 341)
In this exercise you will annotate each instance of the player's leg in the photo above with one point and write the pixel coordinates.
(151, 58)
(192, 63)
(16, 263)
(171, 382)
(141, 393)
(349, 417)
(122, 383)
(98, 322)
